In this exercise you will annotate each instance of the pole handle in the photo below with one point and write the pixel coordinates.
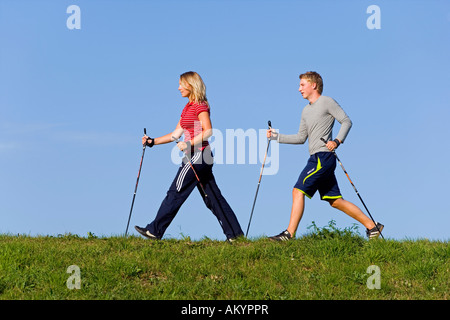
(145, 133)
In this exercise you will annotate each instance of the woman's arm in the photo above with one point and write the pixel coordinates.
(177, 133)
(205, 120)
(207, 131)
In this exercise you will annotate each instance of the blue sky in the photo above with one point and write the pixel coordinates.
(73, 105)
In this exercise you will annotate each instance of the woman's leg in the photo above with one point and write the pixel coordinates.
(180, 189)
(219, 206)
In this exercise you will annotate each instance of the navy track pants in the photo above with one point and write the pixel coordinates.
(182, 186)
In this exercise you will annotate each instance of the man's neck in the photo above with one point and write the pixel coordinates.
(314, 98)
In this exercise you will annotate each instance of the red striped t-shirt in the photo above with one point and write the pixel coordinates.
(190, 123)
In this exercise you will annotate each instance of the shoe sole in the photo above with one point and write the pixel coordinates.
(284, 238)
(145, 234)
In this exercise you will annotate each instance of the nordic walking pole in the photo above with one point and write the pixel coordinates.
(259, 181)
(340, 163)
(137, 181)
(193, 170)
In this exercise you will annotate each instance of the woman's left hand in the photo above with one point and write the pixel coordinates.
(182, 145)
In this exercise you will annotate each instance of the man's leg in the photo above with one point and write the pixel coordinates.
(353, 211)
(298, 207)
(298, 197)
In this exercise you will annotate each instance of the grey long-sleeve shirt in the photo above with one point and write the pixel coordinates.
(317, 122)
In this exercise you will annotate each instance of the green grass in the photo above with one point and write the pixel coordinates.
(325, 264)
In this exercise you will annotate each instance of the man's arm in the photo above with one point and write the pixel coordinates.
(339, 114)
(299, 138)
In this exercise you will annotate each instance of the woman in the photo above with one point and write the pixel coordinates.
(195, 123)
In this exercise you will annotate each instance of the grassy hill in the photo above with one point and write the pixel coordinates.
(325, 264)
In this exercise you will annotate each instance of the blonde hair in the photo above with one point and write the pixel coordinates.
(193, 82)
(313, 77)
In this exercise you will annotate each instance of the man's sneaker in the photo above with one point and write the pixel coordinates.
(284, 236)
(146, 233)
(375, 231)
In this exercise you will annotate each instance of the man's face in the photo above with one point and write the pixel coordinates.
(306, 88)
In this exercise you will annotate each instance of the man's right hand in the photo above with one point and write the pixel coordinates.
(272, 134)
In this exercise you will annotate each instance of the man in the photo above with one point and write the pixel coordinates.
(317, 122)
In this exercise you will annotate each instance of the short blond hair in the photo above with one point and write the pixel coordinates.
(194, 83)
(313, 77)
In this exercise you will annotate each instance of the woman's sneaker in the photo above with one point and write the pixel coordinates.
(284, 236)
(375, 231)
(146, 233)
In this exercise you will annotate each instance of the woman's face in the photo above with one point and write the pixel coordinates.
(185, 92)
